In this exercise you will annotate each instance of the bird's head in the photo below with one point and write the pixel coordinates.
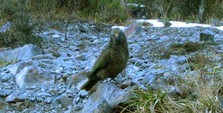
(115, 31)
(118, 36)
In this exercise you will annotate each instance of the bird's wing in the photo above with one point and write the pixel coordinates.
(102, 61)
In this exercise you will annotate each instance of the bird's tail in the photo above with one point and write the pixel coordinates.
(90, 83)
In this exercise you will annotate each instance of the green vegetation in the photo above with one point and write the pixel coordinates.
(181, 49)
(146, 101)
(201, 91)
(23, 26)
(195, 96)
(4, 62)
(183, 9)
(200, 62)
(105, 10)
(29, 16)
(198, 89)
(187, 46)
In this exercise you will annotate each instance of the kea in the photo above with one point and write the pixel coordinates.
(111, 61)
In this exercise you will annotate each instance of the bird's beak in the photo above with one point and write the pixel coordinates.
(117, 39)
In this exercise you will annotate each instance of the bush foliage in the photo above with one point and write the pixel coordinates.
(182, 9)
(25, 14)
(22, 28)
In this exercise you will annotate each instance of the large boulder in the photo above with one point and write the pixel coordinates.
(5, 92)
(207, 35)
(33, 76)
(105, 93)
(17, 96)
(63, 99)
(100, 106)
(22, 53)
(17, 67)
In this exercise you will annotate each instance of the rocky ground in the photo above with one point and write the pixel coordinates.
(47, 79)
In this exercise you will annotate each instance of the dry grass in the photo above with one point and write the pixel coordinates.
(196, 92)
(199, 97)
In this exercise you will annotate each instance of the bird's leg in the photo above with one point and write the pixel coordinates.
(117, 80)
(112, 80)
(123, 73)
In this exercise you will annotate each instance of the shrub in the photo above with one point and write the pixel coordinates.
(146, 101)
(182, 9)
(105, 11)
(22, 29)
(198, 97)
(97, 10)
(181, 49)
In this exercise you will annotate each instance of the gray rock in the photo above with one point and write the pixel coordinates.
(33, 76)
(69, 110)
(16, 68)
(63, 99)
(108, 91)
(43, 94)
(100, 106)
(17, 96)
(55, 53)
(47, 66)
(76, 81)
(82, 28)
(80, 57)
(22, 53)
(83, 93)
(59, 70)
(48, 100)
(76, 100)
(5, 92)
(5, 77)
(148, 78)
(44, 56)
(207, 35)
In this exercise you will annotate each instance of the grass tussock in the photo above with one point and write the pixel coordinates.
(3, 63)
(195, 91)
(181, 49)
(153, 101)
(195, 96)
